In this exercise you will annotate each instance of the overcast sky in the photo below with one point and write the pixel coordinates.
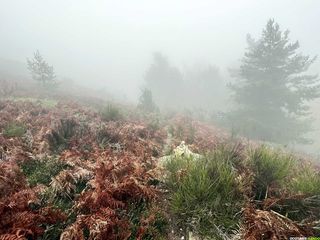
(109, 43)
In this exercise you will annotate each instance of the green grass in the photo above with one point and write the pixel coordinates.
(271, 167)
(40, 171)
(305, 181)
(46, 103)
(204, 194)
(14, 130)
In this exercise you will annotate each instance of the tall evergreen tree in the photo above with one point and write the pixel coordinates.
(272, 88)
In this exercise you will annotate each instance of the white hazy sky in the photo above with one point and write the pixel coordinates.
(109, 43)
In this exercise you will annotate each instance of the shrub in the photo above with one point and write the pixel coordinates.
(204, 196)
(14, 130)
(270, 168)
(40, 171)
(59, 137)
(104, 135)
(111, 113)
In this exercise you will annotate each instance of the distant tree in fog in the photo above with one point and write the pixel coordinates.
(272, 88)
(7, 88)
(40, 70)
(164, 81)
(205, 87)
(146, 102)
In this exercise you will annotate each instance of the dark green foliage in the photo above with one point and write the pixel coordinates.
(14, 130)
(272, 89)
(59, 137)
(204, 194)
(146, 101)
(270, 168)
(40, 171)
(111, 113)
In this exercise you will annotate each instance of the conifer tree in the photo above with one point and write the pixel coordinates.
(40, 70)
(272, 88)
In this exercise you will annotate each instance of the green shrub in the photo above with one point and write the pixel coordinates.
(14, 130)
(270, 168)
(59, 137)
(204, 195)
(111, 113)
(40, 171)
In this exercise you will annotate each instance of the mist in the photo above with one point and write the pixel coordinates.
(159, 119)
(109, 45)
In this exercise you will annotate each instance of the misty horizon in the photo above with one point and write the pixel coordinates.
(92, 43)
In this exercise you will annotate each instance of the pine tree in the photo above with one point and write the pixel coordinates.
(40, 70)
(146, 102)
(272, 88)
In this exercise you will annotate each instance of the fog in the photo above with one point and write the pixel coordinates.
(110, 44)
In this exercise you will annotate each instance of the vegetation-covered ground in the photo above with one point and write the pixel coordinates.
(68, 171)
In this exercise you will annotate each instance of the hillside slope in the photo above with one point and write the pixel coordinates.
(69, 172)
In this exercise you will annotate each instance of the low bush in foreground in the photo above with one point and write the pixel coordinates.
(270, 168)
(204, 195)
